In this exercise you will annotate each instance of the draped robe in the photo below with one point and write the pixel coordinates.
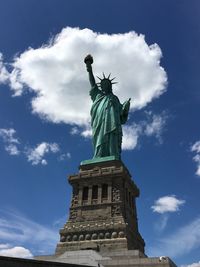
(107, 116)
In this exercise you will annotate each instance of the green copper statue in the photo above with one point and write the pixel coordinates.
(107, 115)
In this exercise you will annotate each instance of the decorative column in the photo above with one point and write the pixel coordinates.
(90, 195)
(109, 192)
(99, 193)
(80, 196)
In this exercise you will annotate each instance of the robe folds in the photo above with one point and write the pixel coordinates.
(107, 116)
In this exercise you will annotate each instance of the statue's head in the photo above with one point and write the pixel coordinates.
(106, 84)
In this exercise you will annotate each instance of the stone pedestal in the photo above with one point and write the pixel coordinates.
(103, 214)
(102, 229)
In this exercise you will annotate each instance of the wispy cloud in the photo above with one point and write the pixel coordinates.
(65, 156)
(8, 135)
(12, 149)
(161, 223)
(196, 149)
(164, 206)
(85, 131)
(131, 134)
(36, 155)
(167, 204)
(19, 231)
(74, 131)
(60, 221)
(4, 74)
(10, 141)
(179, 243)
(152, 126)
(155, 125)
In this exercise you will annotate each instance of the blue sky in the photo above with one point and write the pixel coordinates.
(152, 47)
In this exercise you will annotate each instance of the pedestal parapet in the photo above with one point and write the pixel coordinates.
(103, 214)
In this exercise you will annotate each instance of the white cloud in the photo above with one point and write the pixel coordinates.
(154, 125)
(12, 150)
(15, 83)
(65, 156)
(130, 136)
(56, 72)
(4, 74)
(179, 243)
(196, 158)
(11, 78)
(87, 132)
(36, 155)
(195, 264)
(20, 231)
(10, 141)
(19, 252)
(8, 135)
(35, 162)
(74, 131)
(167, 204)
(68, 155)
(196, 149)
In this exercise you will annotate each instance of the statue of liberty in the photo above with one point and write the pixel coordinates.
(107, 115)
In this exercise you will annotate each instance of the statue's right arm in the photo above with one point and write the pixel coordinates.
(91, 76)
(88, 61)
(94, 92)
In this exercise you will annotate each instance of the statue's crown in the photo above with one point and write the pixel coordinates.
(106, 79)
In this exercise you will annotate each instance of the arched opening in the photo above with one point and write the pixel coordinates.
(104, 194)
(85, 193)
(95, 192)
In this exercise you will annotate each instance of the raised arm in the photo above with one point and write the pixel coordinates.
(88, 61)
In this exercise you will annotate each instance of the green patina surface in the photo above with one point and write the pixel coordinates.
(107, 117)
(96, 160)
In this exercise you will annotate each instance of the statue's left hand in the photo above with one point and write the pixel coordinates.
(127, 105)
(128, 102)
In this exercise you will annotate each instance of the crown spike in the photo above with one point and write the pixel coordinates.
(109, 76)
(99, 78)
(104, 75)
(114, 82)
(113, 79)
